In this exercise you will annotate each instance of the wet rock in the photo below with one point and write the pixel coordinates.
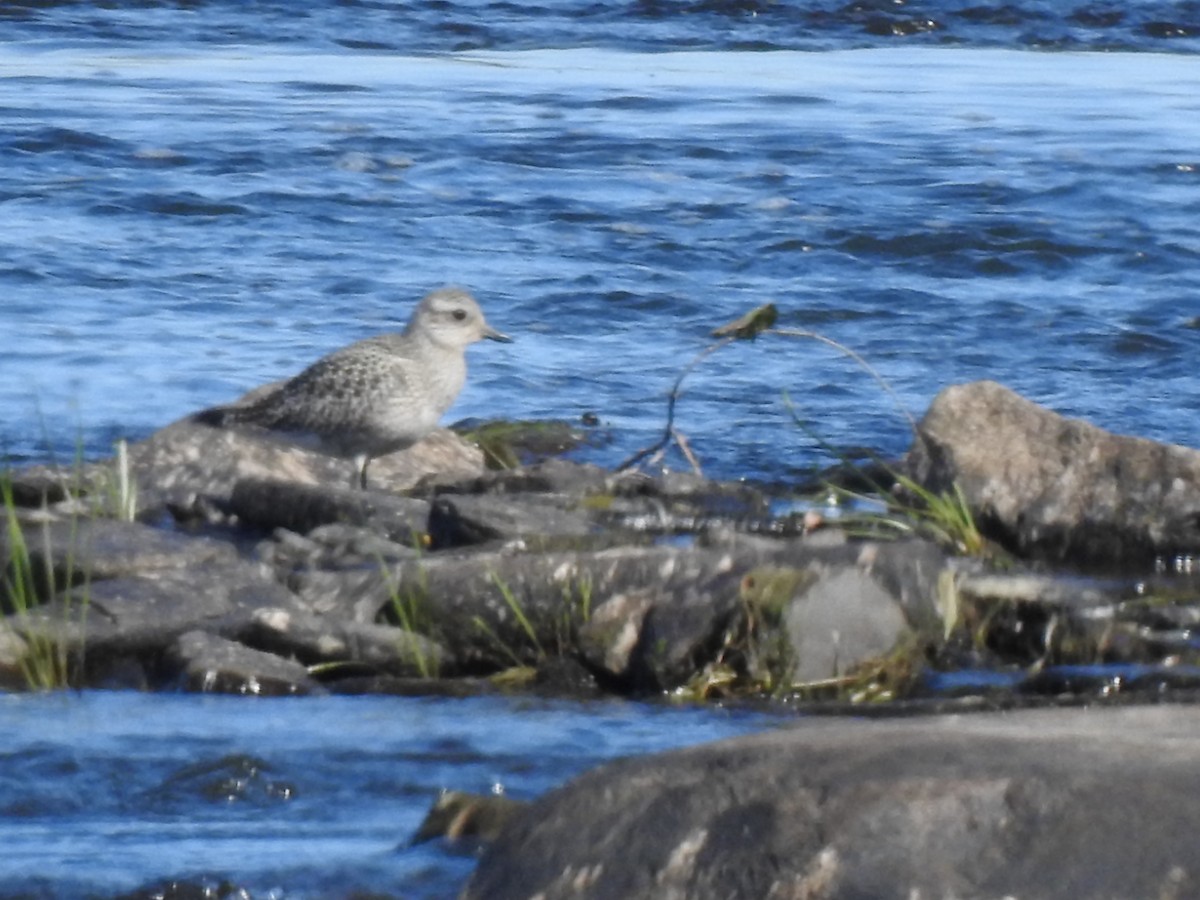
(1034, 805)
(683, 629)
(459, 816)
(1037, 621)
(1056, 488)
(211, 664)
(197, 888)
(610, 637)
(270, 504)
(315, 639)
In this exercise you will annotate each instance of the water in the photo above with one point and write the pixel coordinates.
(197, 202)
(103, 792)
(199, 198)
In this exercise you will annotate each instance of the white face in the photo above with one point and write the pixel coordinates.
(451, 317)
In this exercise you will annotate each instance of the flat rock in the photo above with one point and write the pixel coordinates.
(272, 503)
(1056, 488)
(315, 639)
(136, 616)
(186, 460)
(458, 520)
(1080, 803)
(211, 664)
(70, 552)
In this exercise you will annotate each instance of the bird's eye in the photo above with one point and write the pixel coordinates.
(459, 314)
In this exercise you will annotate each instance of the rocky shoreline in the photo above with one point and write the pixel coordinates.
(248, 566)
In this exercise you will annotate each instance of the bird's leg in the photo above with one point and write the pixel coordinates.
(360, 463)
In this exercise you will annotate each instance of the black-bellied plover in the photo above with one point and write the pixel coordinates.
(377, 395)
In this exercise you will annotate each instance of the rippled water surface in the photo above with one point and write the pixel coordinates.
(316, 797)
(187, 217)
(198, 198)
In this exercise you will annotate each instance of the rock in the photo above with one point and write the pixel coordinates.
(132, 618)
(1055, 488)
(331, 546)
(1039, 805)
(270, 504)
(509, 444)
(553, 476)
(458, 520)
(211, 664)
(315, 639)
(14, 651)
(459, 816)
(488, 608)
(626, 502)
(179, 465)
(683, 630)
(66, 553)
(826, 621)
(646, 618)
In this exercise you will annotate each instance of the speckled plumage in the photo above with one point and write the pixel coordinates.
(377, 395)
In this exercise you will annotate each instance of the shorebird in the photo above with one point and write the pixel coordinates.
(377, 395)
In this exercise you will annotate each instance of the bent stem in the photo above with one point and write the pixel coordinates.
(749, 327)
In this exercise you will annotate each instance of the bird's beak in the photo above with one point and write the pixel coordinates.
(493, 335)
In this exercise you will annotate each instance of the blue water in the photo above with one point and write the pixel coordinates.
(199, 198)
(187, 217)
(106, 792)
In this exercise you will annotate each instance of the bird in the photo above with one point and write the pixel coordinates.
(377, 395)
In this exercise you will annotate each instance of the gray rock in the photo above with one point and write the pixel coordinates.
(211, 664)
(647, 616)
(487, 607)
(134, 617)
(270, 504)
(552, 476)
(331, 546)
(1039, 805)
(838, 622)
(458, 520)
(459, 817)
(66, 553)
(1058, 488)
(315, 639)
(186, 462)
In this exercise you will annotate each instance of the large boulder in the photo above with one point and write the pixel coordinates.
(1056, 488)
(1040, 804)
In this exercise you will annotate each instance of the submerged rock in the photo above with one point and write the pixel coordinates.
(1038, 805)
(458, 816)
(1056, 488)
